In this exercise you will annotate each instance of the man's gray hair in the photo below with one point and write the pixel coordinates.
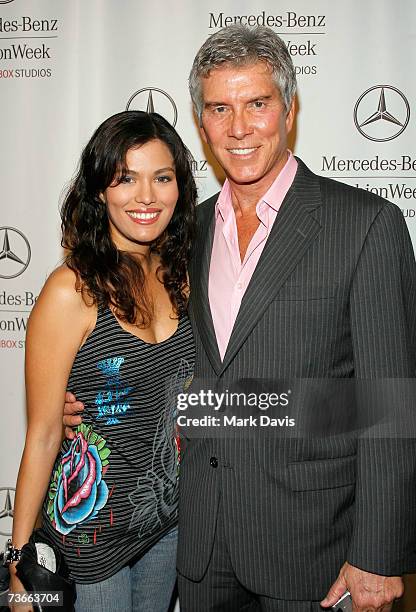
(237, 46)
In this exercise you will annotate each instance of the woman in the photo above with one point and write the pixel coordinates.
(111, 326)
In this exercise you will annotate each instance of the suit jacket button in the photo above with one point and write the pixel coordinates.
(213, 462)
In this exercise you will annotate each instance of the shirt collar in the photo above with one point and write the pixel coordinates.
(275, 194)
(224, 204)
(273, 197)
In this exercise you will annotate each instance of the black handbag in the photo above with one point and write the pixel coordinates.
(4, 586)
(35, 577)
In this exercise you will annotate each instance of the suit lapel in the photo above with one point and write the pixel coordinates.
(293, 231)
(199, 277)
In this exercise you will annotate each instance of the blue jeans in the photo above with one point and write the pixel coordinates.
(145, 586)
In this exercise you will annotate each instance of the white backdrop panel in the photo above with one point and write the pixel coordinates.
(66, 66)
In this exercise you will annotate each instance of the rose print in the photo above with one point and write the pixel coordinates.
(80, 491)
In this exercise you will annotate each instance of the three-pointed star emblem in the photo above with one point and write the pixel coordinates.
(14, 252)
(154, 100)
(6, 252)
(381, 113)
(8, 506)
(384, 117)
(6, 512)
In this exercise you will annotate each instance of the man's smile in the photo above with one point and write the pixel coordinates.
(241, 151)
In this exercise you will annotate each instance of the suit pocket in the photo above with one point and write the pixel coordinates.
(322, 474)
(306, 292)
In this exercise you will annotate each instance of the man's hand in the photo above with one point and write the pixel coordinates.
(369, 592)
(72, 414)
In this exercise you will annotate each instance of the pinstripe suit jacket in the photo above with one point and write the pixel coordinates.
(333, 296)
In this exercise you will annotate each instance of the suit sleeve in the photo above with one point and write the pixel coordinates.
(383, 328)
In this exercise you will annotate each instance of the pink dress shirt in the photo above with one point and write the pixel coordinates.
(228, 275)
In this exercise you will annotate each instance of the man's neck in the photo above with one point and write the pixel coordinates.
(245, 196)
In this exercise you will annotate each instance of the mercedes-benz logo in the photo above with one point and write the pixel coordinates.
(154, 100)
(15, 252)
(381, 113)
(6, 510)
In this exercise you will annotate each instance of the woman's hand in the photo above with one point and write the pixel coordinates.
(17, 587)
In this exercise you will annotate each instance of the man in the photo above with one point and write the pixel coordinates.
(293, 276)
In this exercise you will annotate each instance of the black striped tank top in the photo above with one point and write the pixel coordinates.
(113, 491)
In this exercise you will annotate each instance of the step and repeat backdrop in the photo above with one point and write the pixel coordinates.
(66, 66)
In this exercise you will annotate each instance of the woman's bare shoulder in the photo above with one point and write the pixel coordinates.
(62, 294)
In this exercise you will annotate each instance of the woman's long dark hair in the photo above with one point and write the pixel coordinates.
(105, 274)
